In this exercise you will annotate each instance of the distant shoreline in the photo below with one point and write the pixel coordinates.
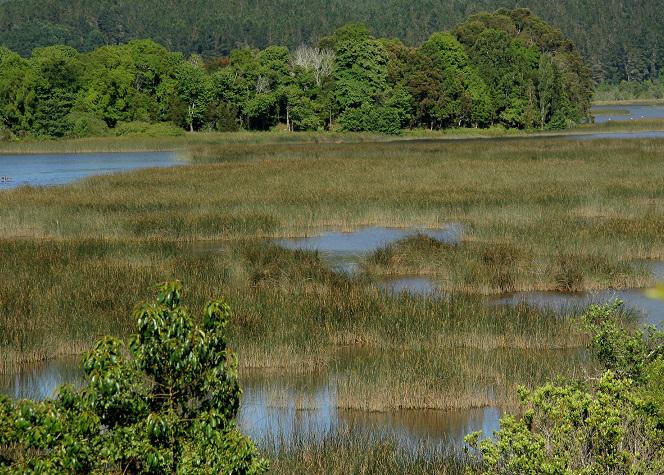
(640, 102)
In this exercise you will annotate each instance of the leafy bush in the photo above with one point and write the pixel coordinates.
(165, 404)
(613, 424)
(86, 124)
(368, 118)
(161, 129)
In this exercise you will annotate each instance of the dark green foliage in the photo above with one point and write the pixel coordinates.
(509, 68)
(610, 424)
(622, 40)
(640, 90)
(166, 404)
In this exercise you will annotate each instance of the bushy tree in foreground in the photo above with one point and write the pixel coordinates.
(613, 424)
(165, 404)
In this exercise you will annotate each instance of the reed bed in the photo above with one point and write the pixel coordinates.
(290, 309)
(358, 453)
(536, 214)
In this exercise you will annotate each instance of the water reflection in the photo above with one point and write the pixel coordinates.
(436, 427)
(343, 251)
(418, 286)
(627, 112)
(41, 381)
(59, 169)
(283, 408)
(649, 311)
(619, 135)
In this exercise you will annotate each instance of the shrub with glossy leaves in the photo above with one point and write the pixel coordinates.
(165, 404)
(613, 424)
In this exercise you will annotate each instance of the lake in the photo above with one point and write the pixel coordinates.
(60, 169)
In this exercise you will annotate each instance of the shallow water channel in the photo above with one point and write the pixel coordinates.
(343, 251)
(647, 310)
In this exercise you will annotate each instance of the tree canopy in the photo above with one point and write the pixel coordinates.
(620, 39)
(508, 68)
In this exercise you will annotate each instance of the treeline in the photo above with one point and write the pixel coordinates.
(631, 90)
(620, 39)
(508, 68)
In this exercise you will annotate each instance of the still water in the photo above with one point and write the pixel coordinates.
(648, 310)
(655, 134)
(286, 408)
(624, 112)
(60, 169)
(344, 251)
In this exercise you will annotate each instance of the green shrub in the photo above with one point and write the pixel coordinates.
(613, 424)
(166, 404)
(86, 124)
(369, 118)
(137, 128)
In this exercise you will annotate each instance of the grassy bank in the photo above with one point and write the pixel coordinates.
(643, 102)
(187, 141)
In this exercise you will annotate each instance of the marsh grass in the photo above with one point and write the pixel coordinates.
(645, 102)
(536, 214)
(640, 125)
(357, 453)
(449, 379)
(290, 309)
(612, 112)
(557, 207)
(495, 268)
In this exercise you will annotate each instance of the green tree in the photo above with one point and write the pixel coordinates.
(166, 404)
(459, 94)
(360, 71)
(57, 71)
(17, 93)
(192, 93)
(548, 88)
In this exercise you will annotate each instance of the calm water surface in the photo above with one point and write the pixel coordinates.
(631, 112)
(648, 310)
(60, 169)
(656, 134)
(282, 409)
(344, 251)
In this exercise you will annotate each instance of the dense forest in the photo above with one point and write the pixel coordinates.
(508, 68)
(620, 39)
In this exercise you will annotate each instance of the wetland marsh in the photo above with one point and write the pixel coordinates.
(315, 246)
